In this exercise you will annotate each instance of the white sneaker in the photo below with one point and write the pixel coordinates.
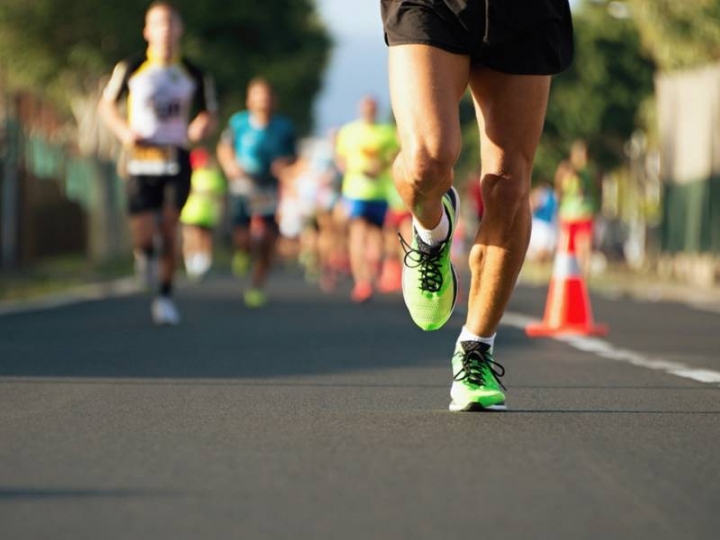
(164, 312)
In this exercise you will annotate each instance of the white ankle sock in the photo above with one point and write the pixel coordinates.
(467, 335)
(433, 237)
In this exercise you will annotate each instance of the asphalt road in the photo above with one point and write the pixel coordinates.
(314, 418)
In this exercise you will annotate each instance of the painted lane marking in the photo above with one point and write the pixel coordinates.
(604, 349)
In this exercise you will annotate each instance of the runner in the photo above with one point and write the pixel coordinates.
(543, 238)
(202, 213)
(365, 150)
(331, 245)
(256, 148)
(163, 92)
(505, 52)
(579, 193)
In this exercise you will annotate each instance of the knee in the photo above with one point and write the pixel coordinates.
(507, 193)
(428, 167)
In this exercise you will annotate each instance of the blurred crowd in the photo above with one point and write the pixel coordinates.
(339, 215)
(328, 203)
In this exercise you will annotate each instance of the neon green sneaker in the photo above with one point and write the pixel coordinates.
(255, 298)
(429, 281)
(476, 386)
(241, 264)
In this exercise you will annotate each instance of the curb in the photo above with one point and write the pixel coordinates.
(84, 293)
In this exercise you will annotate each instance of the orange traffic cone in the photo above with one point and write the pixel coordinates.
(567, 310)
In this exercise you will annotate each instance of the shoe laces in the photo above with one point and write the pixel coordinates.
(429, 262)
(477, 360)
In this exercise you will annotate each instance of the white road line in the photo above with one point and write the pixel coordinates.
(607, 350)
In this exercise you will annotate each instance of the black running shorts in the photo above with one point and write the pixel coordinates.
(522, 37)
(151, 193)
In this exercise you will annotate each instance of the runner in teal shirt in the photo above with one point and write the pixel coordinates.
(255, 149)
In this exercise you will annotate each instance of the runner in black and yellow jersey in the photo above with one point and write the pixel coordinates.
(170, 104)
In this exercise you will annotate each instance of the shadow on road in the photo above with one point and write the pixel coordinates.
(301, 332)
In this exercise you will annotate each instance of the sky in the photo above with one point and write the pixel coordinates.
(358, 65)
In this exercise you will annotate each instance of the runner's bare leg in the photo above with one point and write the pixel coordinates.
(426, 84)
(511, 113)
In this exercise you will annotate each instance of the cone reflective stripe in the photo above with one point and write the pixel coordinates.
(568, 309)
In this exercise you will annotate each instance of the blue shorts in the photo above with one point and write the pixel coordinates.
(371, 211)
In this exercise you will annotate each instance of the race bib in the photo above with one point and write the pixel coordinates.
(153, 161)
(263, 202)
(242, 186)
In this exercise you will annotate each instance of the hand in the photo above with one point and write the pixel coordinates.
(373, 170)
(197, 131)
(200, 127)
(130, 138)
(279, 166)
(233, 171)
(241, 185)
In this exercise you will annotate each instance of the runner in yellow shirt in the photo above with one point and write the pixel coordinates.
(365, 151)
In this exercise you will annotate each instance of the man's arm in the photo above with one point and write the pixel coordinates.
(108, 106)
(201, 126)
(206, 102)
(109, 113)
(281, 165)
(226, 158)
(340, 151)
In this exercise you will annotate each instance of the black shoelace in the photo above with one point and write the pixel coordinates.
(429, 262)
(475, 357)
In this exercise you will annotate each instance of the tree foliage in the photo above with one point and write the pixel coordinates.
(63, 48)
(599, 98)
(679, 34)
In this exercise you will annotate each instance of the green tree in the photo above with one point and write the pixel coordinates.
(63, 48)
(599, 98)
(678, 34)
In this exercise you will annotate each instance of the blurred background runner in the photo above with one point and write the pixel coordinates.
(163, 91)
(365, 151)
(256, 148)
(202, 213)
(579, 193)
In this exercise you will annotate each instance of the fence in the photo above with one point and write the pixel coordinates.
(53, 200)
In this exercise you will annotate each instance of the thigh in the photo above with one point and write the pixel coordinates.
(177, 187)
(511, 113)
(142, 227)
(144, 194)
(426, 84)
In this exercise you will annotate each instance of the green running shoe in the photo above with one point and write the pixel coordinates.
(255, 298)
(429, 281)
(476, 386)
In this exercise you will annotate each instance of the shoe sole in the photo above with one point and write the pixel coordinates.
(476, 407)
